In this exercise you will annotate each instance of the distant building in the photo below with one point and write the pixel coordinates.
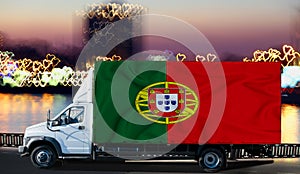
(99, 16)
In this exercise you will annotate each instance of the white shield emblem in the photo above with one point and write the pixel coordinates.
(166, 102)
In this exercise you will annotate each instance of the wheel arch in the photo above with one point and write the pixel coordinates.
(45, 141)
(201, 148)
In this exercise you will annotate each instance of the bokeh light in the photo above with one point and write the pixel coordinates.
(287, 57)
(111, 11)
(39, 73)
(46, 72)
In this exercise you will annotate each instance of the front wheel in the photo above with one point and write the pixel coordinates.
(212, 160)
(43, 157)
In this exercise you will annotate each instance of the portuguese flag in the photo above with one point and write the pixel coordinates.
(157, 102)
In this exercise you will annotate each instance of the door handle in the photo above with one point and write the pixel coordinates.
(81, 127)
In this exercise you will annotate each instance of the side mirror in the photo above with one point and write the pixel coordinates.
(51, 123)
(48, 115)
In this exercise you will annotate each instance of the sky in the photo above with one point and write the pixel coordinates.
(232, 26)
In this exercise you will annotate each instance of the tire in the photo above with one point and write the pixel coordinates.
(43, 157)
(212, 160)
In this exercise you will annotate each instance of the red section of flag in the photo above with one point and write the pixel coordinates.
(250, 96)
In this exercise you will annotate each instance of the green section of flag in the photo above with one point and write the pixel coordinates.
(116, 87)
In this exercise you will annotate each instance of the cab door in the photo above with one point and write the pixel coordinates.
(71, 131)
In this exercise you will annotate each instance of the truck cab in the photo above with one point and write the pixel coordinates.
(66, 135)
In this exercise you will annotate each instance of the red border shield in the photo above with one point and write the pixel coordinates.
(171, 96)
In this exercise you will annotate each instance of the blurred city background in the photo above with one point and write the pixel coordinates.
(40, 43)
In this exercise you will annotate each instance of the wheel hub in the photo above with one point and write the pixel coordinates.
(43, 157)
(211, 160)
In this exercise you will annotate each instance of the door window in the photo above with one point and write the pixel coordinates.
(72, 115)
(76, 114)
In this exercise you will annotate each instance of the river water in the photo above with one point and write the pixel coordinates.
(21, 110)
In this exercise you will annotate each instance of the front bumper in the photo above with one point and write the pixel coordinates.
(23, 151)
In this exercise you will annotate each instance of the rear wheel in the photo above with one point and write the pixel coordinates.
(212, 160)
(43, 157)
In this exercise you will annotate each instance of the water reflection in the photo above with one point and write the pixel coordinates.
(21, 110)
(290, 121)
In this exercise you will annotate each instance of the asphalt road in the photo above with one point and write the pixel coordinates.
(11, 163)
